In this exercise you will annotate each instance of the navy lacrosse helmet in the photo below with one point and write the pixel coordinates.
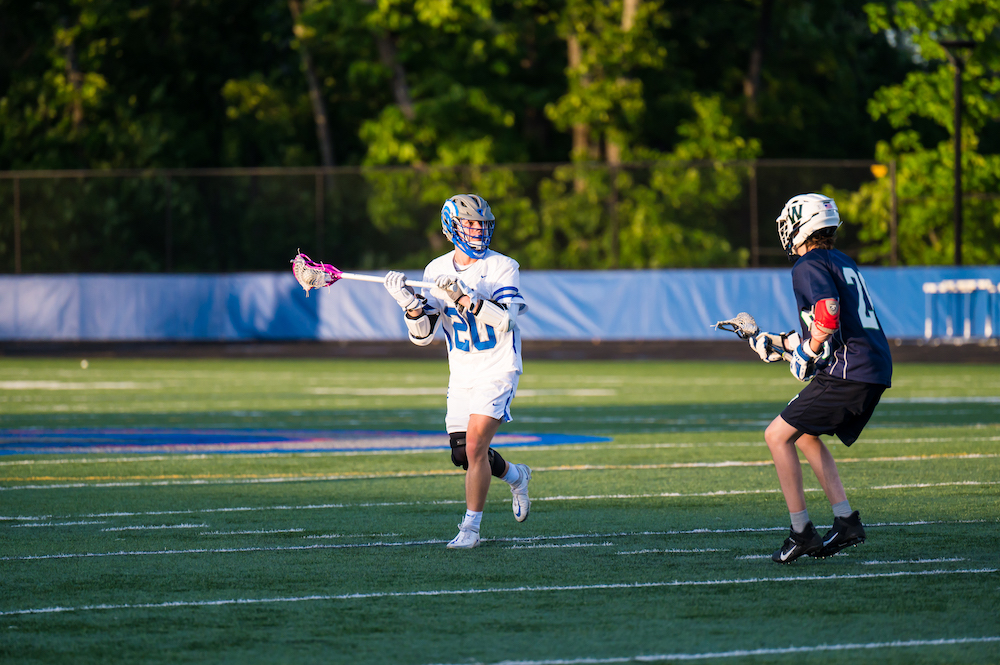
(472, 208)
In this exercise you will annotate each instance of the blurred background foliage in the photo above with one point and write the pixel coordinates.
(617, 133)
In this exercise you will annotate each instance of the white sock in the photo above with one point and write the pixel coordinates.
(800, 520)
(512, 475)
(472, 519)
(842, 509)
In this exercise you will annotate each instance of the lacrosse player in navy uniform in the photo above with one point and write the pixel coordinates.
(842, 353)
(475, 303)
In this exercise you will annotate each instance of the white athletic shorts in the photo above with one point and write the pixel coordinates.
(490, 398)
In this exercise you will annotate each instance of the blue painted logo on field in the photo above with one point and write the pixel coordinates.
(72, 441)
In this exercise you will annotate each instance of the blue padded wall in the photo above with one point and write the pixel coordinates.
(564, 305)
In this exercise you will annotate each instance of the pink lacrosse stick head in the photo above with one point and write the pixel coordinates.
(313, 275)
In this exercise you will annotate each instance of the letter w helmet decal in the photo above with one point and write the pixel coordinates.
(803, 216)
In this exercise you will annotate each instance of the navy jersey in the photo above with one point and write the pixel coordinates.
(860, 350)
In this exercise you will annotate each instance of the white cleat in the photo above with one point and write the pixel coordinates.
(465, 540)
(521, 504)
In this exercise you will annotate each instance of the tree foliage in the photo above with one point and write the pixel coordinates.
(921, 110)
(654, 108)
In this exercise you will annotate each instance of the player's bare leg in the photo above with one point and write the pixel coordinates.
(821, 461)
(478, 437)
(477, 479)
(781, 438)
(847, 527)
(803, 538)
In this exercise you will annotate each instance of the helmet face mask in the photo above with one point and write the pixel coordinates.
(803, 216)
(468, 222)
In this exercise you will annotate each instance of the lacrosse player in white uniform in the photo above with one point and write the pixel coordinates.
(475, 303)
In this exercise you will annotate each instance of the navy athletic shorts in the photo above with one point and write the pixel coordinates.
(829, 405)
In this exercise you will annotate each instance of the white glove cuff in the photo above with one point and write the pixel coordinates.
(417, 302)
(807, 349)
(412, 303)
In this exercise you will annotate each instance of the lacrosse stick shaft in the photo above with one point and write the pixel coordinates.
(381, 280)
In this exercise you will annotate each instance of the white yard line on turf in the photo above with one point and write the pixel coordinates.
(351, 535)
(219, 550)
(494, 590)
(77, 385)
(553, 546)
(674, 551)
(412, 543)
(154, 527)
(900, 562)
(253, 532)
(911, 561)
(449, 472)
(746, 653)
(38, 524)
(443, 502)
(240, 509)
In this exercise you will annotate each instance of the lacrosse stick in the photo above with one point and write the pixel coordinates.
(312, 275)
(742, 324)
(745, 327)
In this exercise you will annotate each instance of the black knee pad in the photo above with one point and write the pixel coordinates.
(458, 456)
(497, 464)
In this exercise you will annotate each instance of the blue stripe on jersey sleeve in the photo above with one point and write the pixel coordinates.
(502, 292)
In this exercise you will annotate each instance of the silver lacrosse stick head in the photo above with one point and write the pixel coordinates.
(312, 275)
(742, 324)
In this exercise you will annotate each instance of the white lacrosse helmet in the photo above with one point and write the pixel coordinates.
(803, 216)
(475, 209)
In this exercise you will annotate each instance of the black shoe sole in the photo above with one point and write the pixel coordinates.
(830, 550)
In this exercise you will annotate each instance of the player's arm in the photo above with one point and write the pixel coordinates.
(421, 325)
(501, 309)
(500, 317)
(421, 319)
(466, 299)
(825, 322)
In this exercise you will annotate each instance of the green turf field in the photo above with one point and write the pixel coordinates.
(653, 546)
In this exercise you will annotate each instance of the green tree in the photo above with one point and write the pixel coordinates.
(921, 109)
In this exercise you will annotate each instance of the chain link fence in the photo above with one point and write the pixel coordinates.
(550, 216)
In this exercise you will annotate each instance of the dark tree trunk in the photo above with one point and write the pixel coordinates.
(751, 83)
(315, 95)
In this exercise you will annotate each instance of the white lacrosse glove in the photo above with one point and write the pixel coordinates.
(772, 347)
(804, 362)
(395, 284)
(453, 289)
(801, 365)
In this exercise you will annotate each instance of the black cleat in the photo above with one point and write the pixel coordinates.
(846, 531)
(797, 544)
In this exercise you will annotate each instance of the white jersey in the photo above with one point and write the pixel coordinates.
(476, 350)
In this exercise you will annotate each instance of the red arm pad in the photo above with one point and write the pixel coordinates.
(827, 315)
